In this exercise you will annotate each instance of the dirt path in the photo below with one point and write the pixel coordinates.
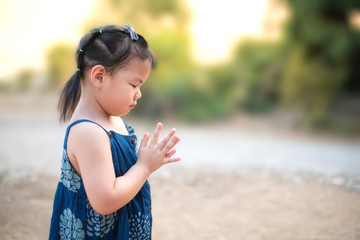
(190, 204)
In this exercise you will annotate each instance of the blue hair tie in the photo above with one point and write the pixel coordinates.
(131, 31)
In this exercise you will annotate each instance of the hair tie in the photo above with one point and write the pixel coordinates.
(131, 31)
(80, 50)
(100, 31)
(78, 69)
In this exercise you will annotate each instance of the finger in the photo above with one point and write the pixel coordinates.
(156, 136)
(172, 160)
(167, 138)
(171, 153)
(145, 140)
(171, 144)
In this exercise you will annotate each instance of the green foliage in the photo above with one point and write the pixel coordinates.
(156, 7)
(309, 83)
(198, 98)
(146, 16)
(24, 79)
(259, 68)
(323, 53)
(322, 29)
(61, 63)
(172, 50)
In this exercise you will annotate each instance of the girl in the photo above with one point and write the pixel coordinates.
(103, 191)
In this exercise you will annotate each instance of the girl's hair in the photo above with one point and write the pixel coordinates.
(110, 46)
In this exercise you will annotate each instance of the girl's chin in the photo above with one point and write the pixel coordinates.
(121, 114)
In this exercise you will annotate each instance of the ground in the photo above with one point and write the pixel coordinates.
(193, 204)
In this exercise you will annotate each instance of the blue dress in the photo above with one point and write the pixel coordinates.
(74, 218)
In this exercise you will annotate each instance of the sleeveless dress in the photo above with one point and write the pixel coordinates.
(74, 218)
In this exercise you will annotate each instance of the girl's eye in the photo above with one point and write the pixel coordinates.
(133, 85)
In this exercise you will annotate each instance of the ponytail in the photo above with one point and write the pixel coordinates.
(69, 97)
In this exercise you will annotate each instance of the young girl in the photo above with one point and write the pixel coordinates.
(103, 191)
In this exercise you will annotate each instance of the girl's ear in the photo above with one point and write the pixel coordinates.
(97, 75)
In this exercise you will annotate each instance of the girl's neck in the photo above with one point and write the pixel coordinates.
(89, 108)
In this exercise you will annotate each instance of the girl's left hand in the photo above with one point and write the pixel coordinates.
(153, 154)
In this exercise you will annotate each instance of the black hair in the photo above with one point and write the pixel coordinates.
(112, 47)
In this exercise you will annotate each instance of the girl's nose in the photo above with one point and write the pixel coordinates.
(138, 94)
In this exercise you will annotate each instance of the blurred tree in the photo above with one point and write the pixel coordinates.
(61, 63)
(148, 17)
(24, 79)
(324, 54)
(259, 66)
(196, 96)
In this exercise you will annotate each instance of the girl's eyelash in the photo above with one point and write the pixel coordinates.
(133, 85)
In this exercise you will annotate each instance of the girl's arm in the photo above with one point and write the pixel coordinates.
(89, 146)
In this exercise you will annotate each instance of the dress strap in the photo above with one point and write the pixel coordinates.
(76, 122)
(129, 128)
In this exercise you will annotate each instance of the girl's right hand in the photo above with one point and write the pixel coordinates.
(152, 154)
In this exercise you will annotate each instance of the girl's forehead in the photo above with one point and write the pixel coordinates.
(136, 64)
(135, 69)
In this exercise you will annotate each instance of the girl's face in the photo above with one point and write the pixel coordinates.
(121, 90)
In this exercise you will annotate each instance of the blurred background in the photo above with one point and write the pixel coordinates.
(266, 85)
(216, 60)
(274, 68)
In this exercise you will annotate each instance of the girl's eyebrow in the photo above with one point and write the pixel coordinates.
(138, 79)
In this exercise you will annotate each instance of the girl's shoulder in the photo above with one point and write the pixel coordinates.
(114, 124)
(86, 143)
(86, 124)
(87, 133)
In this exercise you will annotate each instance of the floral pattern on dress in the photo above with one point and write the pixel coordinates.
(70, 226)
(140, 227)
(98, 224)
(68, 176)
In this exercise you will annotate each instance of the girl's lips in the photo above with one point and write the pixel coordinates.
(132, 106)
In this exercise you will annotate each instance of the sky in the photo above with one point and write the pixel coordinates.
(28, 27)
(218, 25)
